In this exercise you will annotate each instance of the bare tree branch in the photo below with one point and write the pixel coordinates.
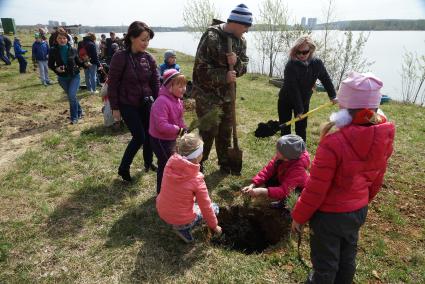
(198, 15)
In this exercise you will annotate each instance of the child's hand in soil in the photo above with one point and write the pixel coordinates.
(248, 188)
(296, 227)
(255, 192)
(218, 230)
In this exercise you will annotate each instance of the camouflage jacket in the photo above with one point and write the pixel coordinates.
(210, 69)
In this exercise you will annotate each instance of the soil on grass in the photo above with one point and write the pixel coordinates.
(252, 229)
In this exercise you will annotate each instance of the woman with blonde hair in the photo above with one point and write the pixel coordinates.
(301, 73)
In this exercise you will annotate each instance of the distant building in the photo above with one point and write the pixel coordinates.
(53, 24)
(303, 21)
(311, 22)
(63, 23)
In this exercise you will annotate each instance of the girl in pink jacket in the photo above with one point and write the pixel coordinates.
(285, 172)
(166, 119)
(347, 172)
(182, 185)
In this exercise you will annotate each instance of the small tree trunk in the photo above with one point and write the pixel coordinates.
(271, 65)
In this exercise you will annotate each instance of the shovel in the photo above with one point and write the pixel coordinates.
(234, 154)
(272, 127)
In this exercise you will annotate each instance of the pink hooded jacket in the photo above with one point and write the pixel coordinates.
(182, 184)
(291, 174)
(166, 117)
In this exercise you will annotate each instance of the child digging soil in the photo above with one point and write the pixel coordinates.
(286, 171)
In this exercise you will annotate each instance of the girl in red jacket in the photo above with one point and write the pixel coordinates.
(182, 184)
(346, 174)
(285, 172)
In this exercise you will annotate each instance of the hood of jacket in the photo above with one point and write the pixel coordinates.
(182, 169)
(369, 142)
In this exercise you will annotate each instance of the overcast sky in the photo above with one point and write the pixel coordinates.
(169, 12)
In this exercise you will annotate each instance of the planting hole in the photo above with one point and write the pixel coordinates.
(252, 230)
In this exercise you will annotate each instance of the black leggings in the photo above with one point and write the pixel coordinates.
(285, 110)
(137, 121)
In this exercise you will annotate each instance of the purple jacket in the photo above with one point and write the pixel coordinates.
(132, 77)
(166, 116)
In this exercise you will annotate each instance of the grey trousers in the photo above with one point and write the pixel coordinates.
(333, 244)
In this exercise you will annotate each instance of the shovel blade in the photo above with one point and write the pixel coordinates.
(235, 160)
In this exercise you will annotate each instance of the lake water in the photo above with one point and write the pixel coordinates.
(385, 48)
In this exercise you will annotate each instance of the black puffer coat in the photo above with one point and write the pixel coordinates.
(299, 80)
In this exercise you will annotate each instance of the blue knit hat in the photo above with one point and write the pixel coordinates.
(168, 54)
(241, 15)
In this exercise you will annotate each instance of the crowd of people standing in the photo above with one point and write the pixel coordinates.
(348, 168)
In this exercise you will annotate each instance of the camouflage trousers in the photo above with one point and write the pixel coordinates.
(221, 132)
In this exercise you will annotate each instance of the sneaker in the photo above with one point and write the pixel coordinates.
(96, 92)
(44, 84)
(49, 83)
(125, 174)
(74, 121)
(185, 235)
(81, 115)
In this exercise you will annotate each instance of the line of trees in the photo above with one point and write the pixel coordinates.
(376, 25)
(363, 25)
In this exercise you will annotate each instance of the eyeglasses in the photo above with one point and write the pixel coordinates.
(303, 52)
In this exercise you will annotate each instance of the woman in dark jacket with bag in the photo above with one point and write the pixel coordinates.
(300, 76)
(133, 86)
(64, 61)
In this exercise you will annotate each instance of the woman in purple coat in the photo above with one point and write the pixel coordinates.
(133, 86)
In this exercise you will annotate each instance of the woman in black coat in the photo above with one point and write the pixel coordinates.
(300, 76)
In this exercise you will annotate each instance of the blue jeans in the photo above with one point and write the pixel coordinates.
(22, 64)
(71, 85)
(4, 57)
(198, 217)
(44, 71)
(90, 75)
(163, 150)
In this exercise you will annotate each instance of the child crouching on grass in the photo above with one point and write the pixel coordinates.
(286, 171)
(347, 173)
(182, 185)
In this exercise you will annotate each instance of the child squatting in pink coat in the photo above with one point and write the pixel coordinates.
(182, 185)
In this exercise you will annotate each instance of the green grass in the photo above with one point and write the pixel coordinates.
(66, 217)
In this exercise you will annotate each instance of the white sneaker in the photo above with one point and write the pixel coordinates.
(96, 92)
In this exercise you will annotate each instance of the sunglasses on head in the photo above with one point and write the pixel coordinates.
(303, 52)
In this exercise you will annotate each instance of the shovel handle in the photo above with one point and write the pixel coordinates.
(304, 115)
(232, 90)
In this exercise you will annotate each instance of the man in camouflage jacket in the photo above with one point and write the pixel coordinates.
(211, 78)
